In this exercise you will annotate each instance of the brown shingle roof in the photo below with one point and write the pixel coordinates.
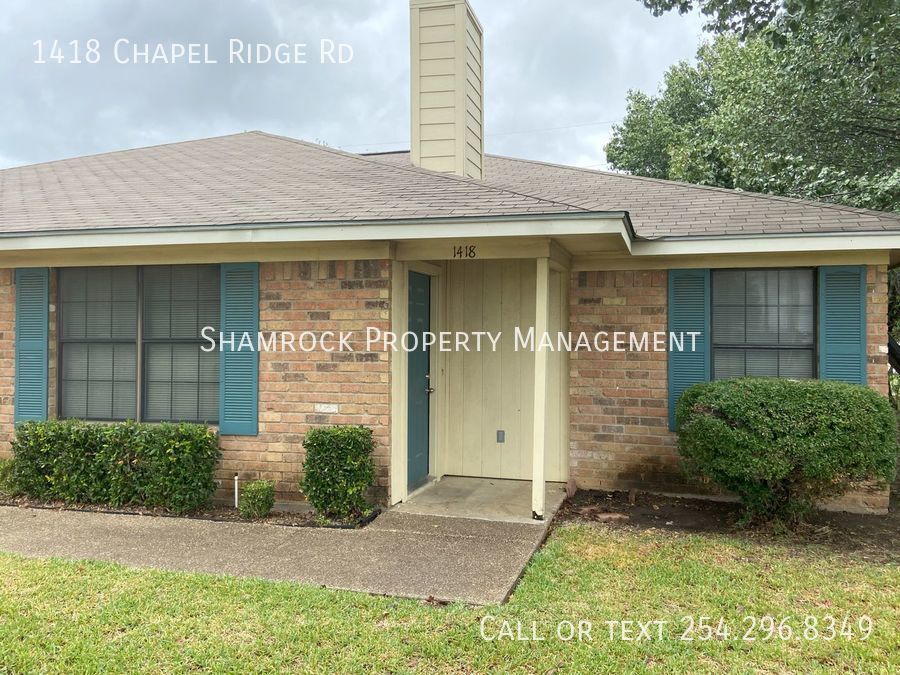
(248, 178)
(661, 208)
(256, 178)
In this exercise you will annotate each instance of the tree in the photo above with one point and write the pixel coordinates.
(782, 120)
(793, 97)
(848, 19)
(640, 145)
(654, 125)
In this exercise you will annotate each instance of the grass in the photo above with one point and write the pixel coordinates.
(62, 616)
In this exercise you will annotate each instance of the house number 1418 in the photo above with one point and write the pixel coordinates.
(464, 251)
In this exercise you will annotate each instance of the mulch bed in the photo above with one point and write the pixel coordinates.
(215, 513)
(868, 536)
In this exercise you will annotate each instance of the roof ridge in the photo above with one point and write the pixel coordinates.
(411, 168)
(124, 150)
(712, 188)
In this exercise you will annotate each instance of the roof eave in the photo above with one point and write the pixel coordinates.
(548, 224)
(797, 242)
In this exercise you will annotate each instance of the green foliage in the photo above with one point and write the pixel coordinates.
(782, 445)
(257, 499)
(164, 465)
(894, 303)
(338, 470)
(813, 114)
(846, 18)
(7, 486)
(641, 144)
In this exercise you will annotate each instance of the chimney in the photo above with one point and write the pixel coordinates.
(447, 90)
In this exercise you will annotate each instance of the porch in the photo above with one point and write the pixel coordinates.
(499, 500)
(495, 413)
(498, 415)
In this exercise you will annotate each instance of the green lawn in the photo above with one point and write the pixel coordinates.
(71, 617)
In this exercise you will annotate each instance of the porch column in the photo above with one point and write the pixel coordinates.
(541, 323)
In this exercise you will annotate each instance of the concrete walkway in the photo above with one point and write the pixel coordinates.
(494, 499)
(401, 554)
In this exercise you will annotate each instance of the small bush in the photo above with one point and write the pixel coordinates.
(338, 470)
(782, 445)
(156, 465)
(257, 499)
(7, 485)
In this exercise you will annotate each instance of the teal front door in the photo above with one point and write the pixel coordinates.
(419, 384)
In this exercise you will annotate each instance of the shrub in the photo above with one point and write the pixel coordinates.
(156, 465)
(7, 485)
(782, 445)
(338, 470)
(257, 499)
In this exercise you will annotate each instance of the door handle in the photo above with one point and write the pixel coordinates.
(428, 388)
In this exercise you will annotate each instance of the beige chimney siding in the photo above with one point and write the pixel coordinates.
(447, 90)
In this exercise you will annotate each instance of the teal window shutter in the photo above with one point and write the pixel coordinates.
(689, 302)
(32, 335)
(239, 369)
(842, 323)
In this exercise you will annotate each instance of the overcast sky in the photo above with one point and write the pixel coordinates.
(548, 64)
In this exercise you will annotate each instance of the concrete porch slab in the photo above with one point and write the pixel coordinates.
(492, 499)
(400, 554)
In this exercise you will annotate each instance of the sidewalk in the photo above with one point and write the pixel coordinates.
(401, 554)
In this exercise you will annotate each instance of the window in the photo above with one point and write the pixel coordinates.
(98, 332)
(763, 323)
(114, 318)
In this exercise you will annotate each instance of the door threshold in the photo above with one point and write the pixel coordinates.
(429, 482)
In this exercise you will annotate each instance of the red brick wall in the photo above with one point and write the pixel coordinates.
(294, 387)
(619, 429)
(619, 438)
(876, 315)
(619, 435)
(7, 358)
(300, 390)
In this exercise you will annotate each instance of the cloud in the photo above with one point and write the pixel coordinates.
(548, 65)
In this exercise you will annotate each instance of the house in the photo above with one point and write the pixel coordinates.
(111, 265)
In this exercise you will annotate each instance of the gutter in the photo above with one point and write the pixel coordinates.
(774, 235)
(769, 243)
(550, 225)
(574, 215)
(451, 227)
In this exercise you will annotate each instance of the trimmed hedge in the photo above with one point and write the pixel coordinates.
(7, 487)
(782, 445)
(257, 499)
(155, 465)
(338, 470)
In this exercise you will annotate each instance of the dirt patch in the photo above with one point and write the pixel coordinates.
(868, 536)
(645, 510)
(216, 513)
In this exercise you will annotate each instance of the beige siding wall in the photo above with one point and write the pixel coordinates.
(492, 390)
(446, 88)
(474, 98)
